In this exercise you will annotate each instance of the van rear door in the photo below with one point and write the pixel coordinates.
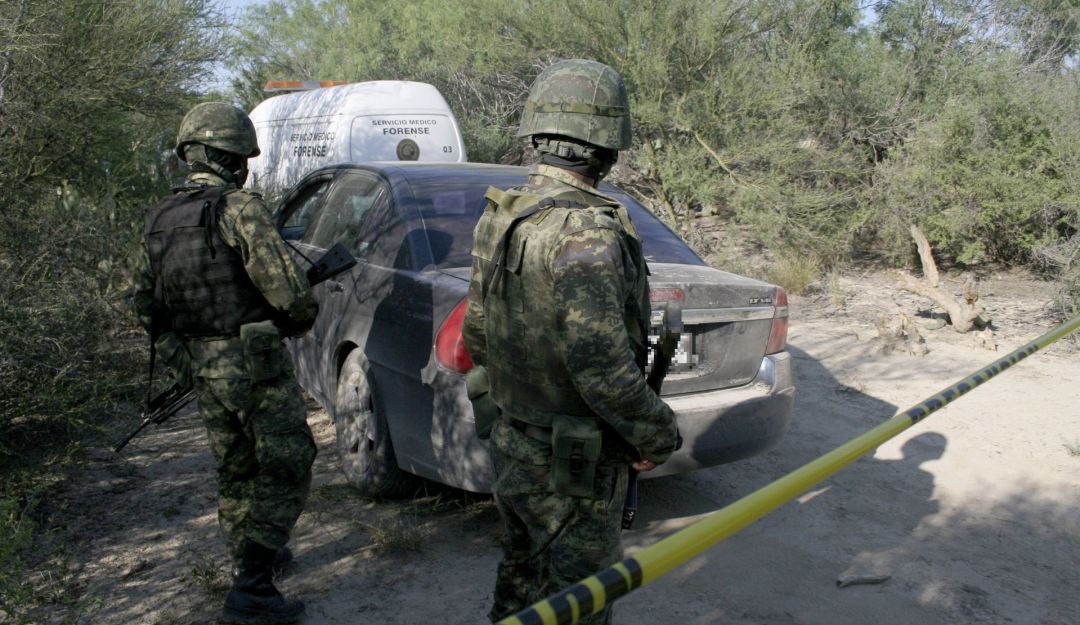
(405, 137)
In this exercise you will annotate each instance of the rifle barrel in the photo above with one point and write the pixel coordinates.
(127, 439)
(162, 406)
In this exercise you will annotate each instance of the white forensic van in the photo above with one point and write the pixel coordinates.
(383, 120)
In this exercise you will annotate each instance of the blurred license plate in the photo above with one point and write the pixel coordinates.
(684, 358)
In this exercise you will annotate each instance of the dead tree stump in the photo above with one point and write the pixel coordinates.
(964, 314)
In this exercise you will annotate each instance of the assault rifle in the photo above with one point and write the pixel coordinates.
(162, 406)
(663, 352)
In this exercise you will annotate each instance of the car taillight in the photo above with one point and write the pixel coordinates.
(450, 349)
(778, 335)
(665, 294)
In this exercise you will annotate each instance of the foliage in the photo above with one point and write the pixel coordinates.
(16, 538)
(990, 178)
(795, 271)
(87, 89)
(819, 132)
(90, 94)
(67, 360)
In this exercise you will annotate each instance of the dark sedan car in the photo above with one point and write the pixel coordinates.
(386, 358)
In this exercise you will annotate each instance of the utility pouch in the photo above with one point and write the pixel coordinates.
(575, 445)
(262, 350)
(174, 354)
(485, 410)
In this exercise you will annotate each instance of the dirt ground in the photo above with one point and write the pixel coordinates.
(973, 516)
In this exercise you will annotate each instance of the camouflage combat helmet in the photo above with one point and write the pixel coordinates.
(580, 99)
(219, 125)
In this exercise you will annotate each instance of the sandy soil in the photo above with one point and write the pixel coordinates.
(973, 516)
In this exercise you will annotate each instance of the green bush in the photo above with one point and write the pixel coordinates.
(16, 539)
(68, 357)
(795, 271)
(90, 95)
(991, 178)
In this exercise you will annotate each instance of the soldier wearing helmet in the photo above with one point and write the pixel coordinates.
(217, 291)
(557, 324)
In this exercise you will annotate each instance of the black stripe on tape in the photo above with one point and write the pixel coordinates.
(560, 603)
(636, 575)
(613, 581)
(529, 616)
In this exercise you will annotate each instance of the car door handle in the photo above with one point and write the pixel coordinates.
(334, 286)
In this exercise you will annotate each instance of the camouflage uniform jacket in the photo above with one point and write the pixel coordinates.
(575, 296)
(247, 226)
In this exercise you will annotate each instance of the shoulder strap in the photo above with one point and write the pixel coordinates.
(493, 275)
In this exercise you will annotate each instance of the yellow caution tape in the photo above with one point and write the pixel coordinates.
(590, 595)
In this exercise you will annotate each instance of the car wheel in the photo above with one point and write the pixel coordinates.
(363, 437)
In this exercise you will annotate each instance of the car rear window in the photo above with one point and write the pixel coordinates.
(450, 205)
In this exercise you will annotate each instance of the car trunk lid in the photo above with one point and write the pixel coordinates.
(726, 324)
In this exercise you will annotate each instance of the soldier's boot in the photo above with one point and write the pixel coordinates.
(253, 599)
(283, 559)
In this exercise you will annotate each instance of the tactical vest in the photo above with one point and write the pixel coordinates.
(526, 369)
(201, 281)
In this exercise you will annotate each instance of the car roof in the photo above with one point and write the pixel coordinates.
(412, 180)
(397, 171)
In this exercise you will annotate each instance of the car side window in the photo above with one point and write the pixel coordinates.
(350, 198)
(359, 214)
(300, 210)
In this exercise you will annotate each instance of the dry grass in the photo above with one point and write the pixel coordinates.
(795, 272)
(396, 532)
(838, 291)
(211, 576)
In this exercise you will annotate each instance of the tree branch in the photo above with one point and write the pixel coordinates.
(964, 314)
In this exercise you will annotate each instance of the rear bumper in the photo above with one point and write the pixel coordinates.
(730, 424)
(717, 427)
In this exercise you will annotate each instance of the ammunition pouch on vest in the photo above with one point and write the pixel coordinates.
(261, 342)
(203, 286)
(575, 447)
(485, 410)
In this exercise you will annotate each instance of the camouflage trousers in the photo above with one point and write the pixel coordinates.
(259, 435)
(549, 540)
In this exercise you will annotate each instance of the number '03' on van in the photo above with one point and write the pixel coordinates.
(385, 120)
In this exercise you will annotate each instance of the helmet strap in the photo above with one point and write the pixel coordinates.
(588, 160)
(229, 167)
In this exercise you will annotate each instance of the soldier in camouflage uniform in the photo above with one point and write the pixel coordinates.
(217, 289)
(558, 317)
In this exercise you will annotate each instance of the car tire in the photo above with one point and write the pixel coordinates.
(363, 436)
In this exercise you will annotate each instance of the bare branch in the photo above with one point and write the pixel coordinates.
(965, 314)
